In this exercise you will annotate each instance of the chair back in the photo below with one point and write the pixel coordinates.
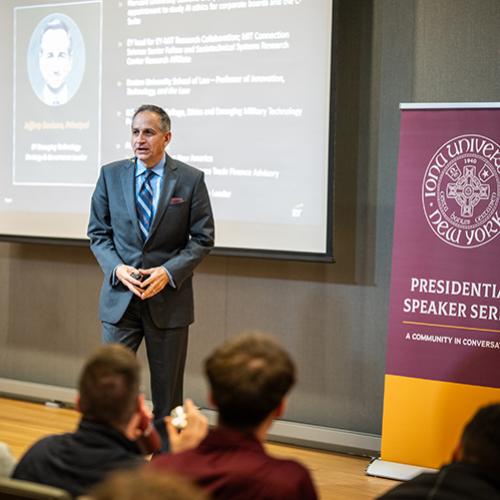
(15, 489)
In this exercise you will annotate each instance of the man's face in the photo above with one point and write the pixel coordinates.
(55, 58)
(148, 141)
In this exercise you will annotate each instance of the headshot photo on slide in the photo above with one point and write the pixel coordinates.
(56, 59)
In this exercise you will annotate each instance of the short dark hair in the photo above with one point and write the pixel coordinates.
(249, 375)
(109, 385)
(480, 440)
(146, 483)
(164, 118)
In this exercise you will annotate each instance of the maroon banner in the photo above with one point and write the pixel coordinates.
(444, 318)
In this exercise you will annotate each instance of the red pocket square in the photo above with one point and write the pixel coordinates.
(176, 200)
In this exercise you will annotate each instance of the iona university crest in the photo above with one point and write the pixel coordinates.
(460, 191)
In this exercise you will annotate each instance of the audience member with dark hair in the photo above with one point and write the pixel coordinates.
(474, 472)
(147, 484)
(249, 379)
(114, 424)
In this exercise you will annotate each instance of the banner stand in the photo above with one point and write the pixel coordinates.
(443, 342)
(394, 470)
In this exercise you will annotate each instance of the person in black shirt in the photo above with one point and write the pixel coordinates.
(114, 431)
(474, 471)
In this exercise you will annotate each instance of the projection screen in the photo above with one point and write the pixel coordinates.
(247, 84)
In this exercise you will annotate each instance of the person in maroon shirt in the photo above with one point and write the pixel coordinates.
(249, 379)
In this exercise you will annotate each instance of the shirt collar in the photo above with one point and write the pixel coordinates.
(103, 431)
(55, 98)
(158, 169)
(224, 437)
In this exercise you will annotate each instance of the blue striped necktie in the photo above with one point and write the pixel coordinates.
(145, 205)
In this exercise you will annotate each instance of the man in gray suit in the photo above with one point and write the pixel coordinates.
(150, 225)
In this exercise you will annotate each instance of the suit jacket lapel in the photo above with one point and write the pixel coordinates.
(169, 182)
(128, 186)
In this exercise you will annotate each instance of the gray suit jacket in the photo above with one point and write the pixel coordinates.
(181, 234)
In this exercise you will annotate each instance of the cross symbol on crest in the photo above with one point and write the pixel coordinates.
(468, 191)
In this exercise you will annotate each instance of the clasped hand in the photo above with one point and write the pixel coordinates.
(146, 283)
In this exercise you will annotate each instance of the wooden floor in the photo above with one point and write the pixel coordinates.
(336, 476)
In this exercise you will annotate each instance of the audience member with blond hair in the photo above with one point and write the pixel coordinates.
(146, 484)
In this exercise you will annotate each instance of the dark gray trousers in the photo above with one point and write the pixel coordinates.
(166, 350)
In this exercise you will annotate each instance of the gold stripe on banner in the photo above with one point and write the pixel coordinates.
(423, 419)
(451, 327)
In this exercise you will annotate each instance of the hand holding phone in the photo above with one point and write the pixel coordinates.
(188, 431)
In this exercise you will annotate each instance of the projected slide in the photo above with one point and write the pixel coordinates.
(56, 96)
(246, 84)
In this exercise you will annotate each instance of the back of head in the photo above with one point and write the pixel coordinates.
(480, 441)
(249, 376)
(109, 385)
(146, 483)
